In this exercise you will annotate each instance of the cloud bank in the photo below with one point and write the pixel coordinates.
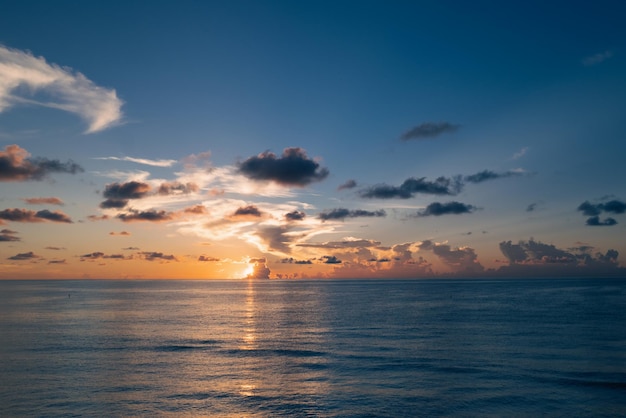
(16, 165)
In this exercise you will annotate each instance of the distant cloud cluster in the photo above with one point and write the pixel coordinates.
(292, 168)
(449, 208)
(23, 75)
(486, 175)
(411, 186)
(26, 215)
(428, 130)
(8, 235)
(593, 211)
(16, 165)
(342, 213)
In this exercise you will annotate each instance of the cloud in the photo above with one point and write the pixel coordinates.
(429, 130)
(100, 255)
(350, 184)
(153, 256)
(276, 238)
(450, 208)
(462, 260)
(411, 186)
(534, 259)
(346, 243)
(597, 58)
(595, 221)
(68, 90)
(490, 175)
(260, 269)
(342, 213)
(121, 233)
(26, 215)
(292, 260)
(175, 187)
(147, 215)
(293, 168)
(295, 215)
(531, 207)
(594, 210)
(145, 161)
(247, 211)
(43, 201)
(23, 256)
(204, 258)
(57, 262)
(7, 235)
(118, 194)
(331, 259)
(196, 210)
(520, 153)
(15, 165)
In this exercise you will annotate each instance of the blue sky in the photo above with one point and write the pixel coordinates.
(516, 108)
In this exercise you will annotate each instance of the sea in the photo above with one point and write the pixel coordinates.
(313, 348)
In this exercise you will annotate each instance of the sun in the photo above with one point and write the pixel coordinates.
(248, 271)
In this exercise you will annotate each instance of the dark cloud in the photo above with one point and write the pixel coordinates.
(594, 210)
(129, 190)
(175, 187)
(295, 216)
(293, 168)
(55, 248)
(23, 256)
(249, 210)
(97, 255)
(148, 215)
(350, 184)
(55, 216)
(535, 251)
(7, 235)
(357, 243)
(121, 233)
(113, 203)
(57, 262)
(449, 208)
(486, 175)
(429, 130)
(342, 213)
(15, 165)
(26, 215)
(331, 259)
(207, 259)
(292, 260)
(152, 256)
(595, 221)
(276, 238)
(43, 201)
(531, 207)
(260, 270)
(462, 260)
(411, 186)
(534, 259)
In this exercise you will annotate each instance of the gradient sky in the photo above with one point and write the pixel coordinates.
(293, 139)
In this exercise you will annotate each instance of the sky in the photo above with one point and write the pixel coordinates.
(312, 139)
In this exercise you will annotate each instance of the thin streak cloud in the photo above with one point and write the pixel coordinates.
(70, 91)
(145, 161)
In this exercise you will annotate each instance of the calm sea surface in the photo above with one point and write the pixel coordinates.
(313, 348)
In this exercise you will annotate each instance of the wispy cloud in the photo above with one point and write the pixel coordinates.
(520, 153)
(429, 130)
(69, 90)
(597, 58)
(145, 161)
(43, 201)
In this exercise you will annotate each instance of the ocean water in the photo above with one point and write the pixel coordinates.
(352, 348)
